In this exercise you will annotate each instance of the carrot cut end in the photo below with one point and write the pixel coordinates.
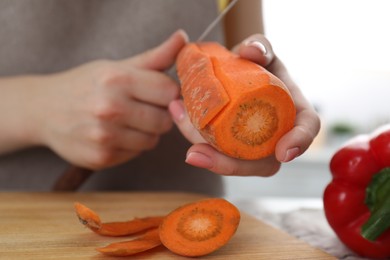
(87, 217)
(251, 128)
(258, 108)
(200, 228)
(124, 228)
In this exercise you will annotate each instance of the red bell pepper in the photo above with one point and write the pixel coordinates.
(357, 201)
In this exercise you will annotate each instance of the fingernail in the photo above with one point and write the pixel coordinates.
(177, 111)
(291, 154)
(184, 34)
(257, 44)
(199, 160)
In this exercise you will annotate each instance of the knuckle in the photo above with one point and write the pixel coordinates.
(139, 113)
(174, 91)
(236, 169)
(107, 109)
(102, 158)
(306, 136)
(231, 170)
(111, 76)
(164, 125)
(154, 120)
(316, 124)
(169, 89)
(167, 126)
(101, 136)
(312, 127)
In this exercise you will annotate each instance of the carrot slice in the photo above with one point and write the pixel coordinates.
(87, 217)
(199, 228)
(256, 109)
(147, 241)
(91, 220)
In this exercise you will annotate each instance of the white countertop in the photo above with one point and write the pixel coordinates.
(301, 217)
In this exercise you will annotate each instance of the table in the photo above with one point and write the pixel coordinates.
(44, 226)
(302, 218)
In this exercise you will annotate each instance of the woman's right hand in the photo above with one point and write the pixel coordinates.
(104, 113)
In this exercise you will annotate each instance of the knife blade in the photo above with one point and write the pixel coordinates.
(211, 26)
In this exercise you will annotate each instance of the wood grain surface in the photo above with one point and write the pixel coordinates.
(44, 226)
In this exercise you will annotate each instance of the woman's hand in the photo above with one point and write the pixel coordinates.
(257, 49)
(105, 112)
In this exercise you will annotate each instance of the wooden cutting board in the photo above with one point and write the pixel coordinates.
(44, 226)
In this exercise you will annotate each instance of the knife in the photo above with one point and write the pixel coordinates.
(211, 26)
(74, 176)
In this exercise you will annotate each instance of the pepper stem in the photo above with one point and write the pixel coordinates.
(378, 201)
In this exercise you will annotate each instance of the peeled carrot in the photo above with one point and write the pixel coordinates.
(147, 241)
(91, 220)
(199, 228)
(238, 106)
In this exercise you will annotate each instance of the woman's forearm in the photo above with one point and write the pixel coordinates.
(18, 125)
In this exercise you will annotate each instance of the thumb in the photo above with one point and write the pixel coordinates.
(162, 56)
(257, 49)
(183, 123)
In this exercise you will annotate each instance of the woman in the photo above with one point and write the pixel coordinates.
(83, 82)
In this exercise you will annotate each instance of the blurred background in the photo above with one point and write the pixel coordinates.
(338, 51)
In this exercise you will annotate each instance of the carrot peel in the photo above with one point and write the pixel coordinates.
(87, 217)
(147, 241)
(204, 91)
(130, 227)
(92, 220)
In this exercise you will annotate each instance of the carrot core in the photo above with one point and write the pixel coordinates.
(200, 225)
(255, 122)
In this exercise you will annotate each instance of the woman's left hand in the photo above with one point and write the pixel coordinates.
(295, 142)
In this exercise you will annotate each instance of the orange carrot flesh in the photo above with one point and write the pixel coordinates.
(147, 241)
(87, 217)
(91, 220)
(260, 113)
(130, 227)
(259, 108)
(205, 96)
(199, 228)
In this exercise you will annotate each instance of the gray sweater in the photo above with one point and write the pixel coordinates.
(45, 36)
